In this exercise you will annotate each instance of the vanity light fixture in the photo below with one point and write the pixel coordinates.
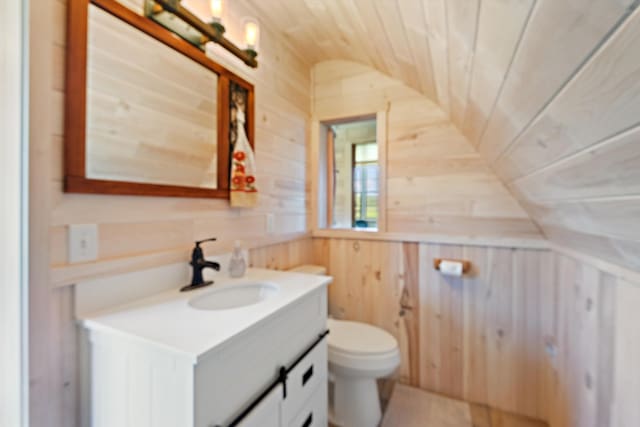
(181, 21)
(251, 36)
(216, 15)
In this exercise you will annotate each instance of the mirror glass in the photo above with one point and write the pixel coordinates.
(151, 112)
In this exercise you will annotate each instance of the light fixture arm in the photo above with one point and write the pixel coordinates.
(209, 32)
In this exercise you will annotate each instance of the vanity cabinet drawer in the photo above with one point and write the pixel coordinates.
(304, 380)
(267, 413)
(314, 411)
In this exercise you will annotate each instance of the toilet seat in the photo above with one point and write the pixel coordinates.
(357, 349)
(359, 338)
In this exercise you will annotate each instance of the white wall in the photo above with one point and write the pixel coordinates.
(11, 213)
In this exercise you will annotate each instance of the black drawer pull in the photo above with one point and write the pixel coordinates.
(307, 375)
(308, 421)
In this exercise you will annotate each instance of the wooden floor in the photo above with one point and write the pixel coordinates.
(411, 407)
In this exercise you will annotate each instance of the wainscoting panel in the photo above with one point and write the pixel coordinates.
(541, 333)
(595, 348)
(478, 338)
(282, 256)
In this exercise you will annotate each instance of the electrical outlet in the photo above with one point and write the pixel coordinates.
(83, 243)
(271, 223)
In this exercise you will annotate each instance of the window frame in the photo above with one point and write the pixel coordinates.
(320, 125)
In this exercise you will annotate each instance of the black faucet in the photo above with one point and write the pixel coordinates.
(199, 263)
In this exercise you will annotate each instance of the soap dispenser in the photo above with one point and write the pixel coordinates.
(237, 265)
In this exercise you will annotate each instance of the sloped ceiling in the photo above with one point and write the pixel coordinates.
(548, 91)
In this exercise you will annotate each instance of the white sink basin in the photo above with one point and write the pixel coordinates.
(234, 296)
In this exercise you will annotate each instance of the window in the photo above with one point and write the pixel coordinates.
(352, 175)
(365, 185)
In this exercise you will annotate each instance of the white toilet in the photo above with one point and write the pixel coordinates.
(359, 354)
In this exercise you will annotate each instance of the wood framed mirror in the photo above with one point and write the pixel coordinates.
(146, 113)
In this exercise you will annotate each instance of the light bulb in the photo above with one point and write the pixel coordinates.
(251, 33)
(216, 10)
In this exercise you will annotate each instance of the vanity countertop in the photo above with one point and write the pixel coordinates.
(168, 321)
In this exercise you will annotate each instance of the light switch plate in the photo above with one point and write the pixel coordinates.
(83, 243)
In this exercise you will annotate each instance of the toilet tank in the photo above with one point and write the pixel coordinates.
(310, 269)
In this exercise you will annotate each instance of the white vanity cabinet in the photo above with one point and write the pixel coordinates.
(305, 404)
(268, 412)
(142, 383)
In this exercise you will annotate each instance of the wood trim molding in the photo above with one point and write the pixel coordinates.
(223, 132)
(74, 184)
(331, 173)
(314, 172)
(446, 239)
(76, 180)
(382, 118)
(76, 83)
(321, 199)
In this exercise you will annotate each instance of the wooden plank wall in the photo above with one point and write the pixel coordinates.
(576, 164)
(478, 339)
(137, 232)
(594, 341)
(282, 256)
(530, 331)
(545, 90)
(136, 226)
(406, 39)
(535, 90)
(436, 181)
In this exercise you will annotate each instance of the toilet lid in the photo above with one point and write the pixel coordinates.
(359, 338)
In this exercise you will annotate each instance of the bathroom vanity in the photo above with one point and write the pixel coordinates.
(246, 352)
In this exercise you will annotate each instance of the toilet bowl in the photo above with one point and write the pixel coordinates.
(358, 355)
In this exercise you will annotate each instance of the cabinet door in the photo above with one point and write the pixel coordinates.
(222, 385)
(267, 413)
(314, 411)
(303, 380)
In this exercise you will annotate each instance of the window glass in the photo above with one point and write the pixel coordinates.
(353, 181)
(365, 185)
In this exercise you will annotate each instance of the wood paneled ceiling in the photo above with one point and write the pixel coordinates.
(548, 91)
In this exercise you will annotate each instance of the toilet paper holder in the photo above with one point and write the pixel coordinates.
(466, 265)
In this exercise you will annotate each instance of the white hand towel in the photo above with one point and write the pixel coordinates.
(244, 192)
